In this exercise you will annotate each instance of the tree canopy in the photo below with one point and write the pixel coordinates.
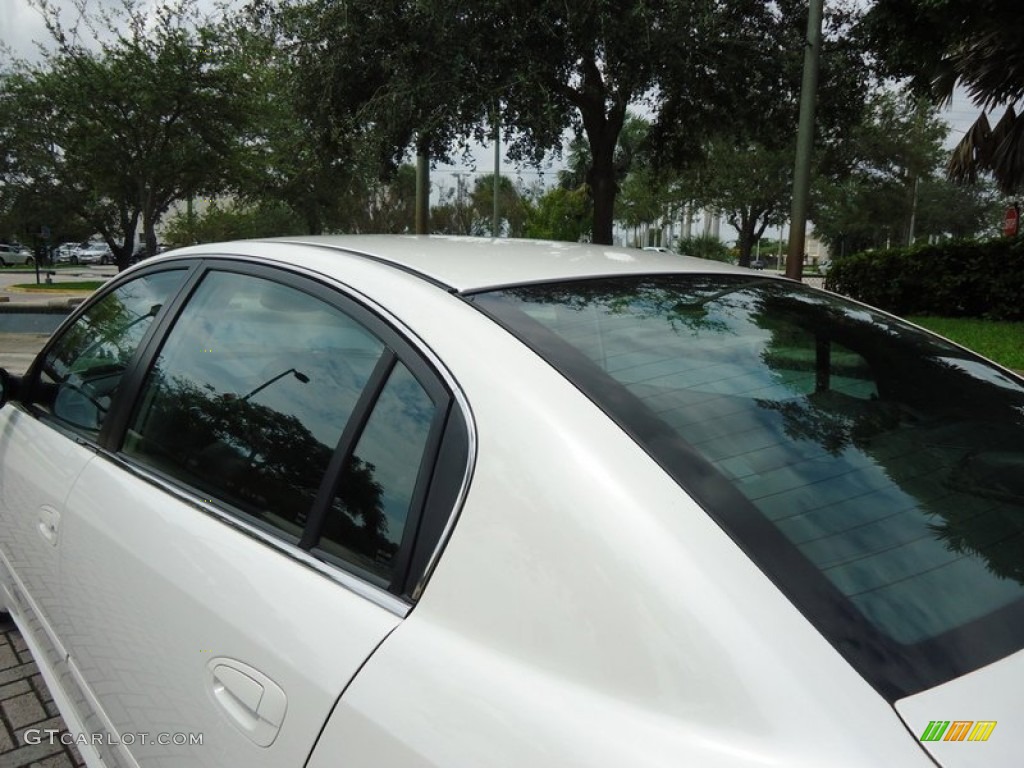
(436, 74)
(150, 115)
(893, 184)
(975, 44)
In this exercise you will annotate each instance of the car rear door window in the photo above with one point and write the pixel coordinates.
(249, 396)
(83, 368)
(367, 517)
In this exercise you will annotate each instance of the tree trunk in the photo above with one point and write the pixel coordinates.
(746, 239)
(603, 189)
(602, 124)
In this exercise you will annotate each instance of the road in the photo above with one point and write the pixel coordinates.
(17, 349)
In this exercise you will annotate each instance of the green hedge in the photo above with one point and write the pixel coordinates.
(952, 279)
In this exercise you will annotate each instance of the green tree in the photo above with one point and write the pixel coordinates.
(25, 211)
(512, 209)
(117, 135)
(976, 44)
(560, 214)
(893, 156)
(749, 183)
(292, 155)
(704, 247)
(435, 74)
(232, 221)
(645, 200)
(372, 205)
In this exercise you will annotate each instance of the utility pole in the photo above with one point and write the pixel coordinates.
(496, 217)
(422, 188)
(804, 142)
(913, 212)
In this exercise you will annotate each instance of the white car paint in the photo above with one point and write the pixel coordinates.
(172, 610)
(989, 694)
(584, 611)
(675, 650)
(15, 255)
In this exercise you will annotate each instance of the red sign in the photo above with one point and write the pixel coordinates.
(1011, 223)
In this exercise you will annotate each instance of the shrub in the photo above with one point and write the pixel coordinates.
(951, 279)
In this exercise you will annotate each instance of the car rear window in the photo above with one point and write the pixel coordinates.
(874, 471)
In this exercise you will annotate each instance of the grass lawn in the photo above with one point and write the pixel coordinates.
(999, 341)
(78, 285)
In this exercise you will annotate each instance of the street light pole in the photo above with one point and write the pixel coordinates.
(804, 142)
(496, 217)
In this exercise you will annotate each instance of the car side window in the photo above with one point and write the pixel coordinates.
(248, 397)
(83, 368)
(368, 515)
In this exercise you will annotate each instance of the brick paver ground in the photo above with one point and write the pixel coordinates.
(26, 705)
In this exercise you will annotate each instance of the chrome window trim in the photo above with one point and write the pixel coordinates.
(352, 582)
(349, 581)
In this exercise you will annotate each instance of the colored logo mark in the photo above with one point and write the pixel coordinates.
(958, 730)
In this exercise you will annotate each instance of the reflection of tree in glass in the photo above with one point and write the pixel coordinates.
(267, 462)
(994, 474)
(357, 519)
(683, 304)
(934, 429)
(895, 408)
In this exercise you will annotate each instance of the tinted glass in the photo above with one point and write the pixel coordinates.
(250, 394)
(367, 518)
(83, 369)
(876, 472)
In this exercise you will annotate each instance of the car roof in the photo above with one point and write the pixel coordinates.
(468, 264)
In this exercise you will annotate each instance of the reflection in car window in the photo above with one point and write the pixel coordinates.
(84, 367)
(366, 520)
(250, 394)
(873, 470)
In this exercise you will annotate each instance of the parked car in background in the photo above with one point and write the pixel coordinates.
(141, 253)
(758, 264)
(95, 253)
(65, 253)
(13, 255)
(466, 503)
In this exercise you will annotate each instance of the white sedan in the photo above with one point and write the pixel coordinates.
(398, 501)
(15, 254)
(94, 253)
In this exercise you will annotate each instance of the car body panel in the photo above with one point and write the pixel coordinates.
(581, 610)
(524, 637)
(990, 695)
(33, 530)
(170, 619)
(96, 253)
(463, 264)
(15, 255)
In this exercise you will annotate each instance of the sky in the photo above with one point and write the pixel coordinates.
(21, 24)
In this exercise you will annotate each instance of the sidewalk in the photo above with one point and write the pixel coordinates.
(26, 705)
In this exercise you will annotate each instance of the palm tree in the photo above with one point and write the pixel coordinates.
(977, 45)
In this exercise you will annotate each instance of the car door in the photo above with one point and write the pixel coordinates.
(44, 447)
(242, 546)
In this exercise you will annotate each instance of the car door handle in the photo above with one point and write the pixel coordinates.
(251, 700)
(49, 524)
